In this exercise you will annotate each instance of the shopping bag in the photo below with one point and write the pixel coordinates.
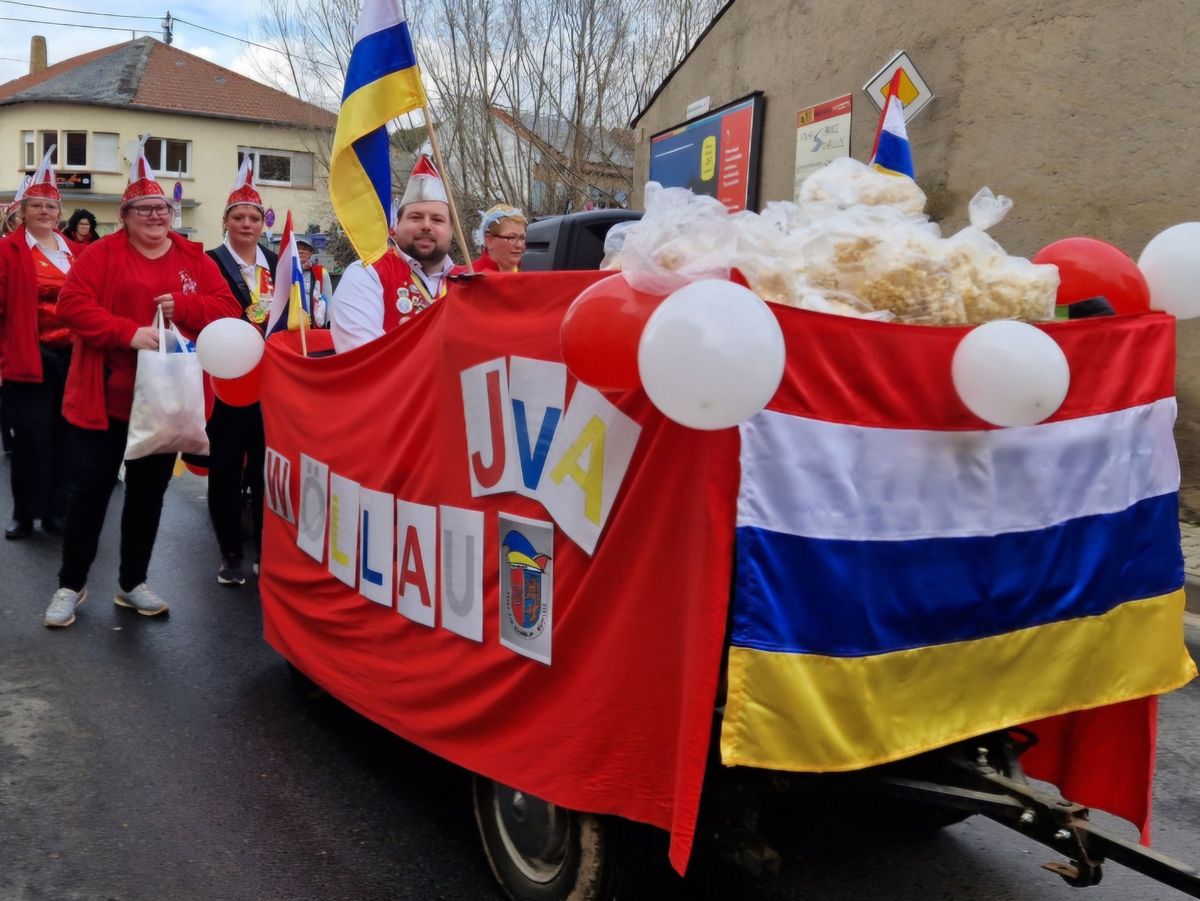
(168, 399)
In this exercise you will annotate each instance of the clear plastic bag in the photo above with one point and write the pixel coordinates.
(167, 415)
(847, 183)
(992, 284)
(682, 238)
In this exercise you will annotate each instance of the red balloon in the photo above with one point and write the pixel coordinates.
(1092, 268)
(242, 391)
(601, 330)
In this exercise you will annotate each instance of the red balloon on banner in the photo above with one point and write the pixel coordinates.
(194, 469)
(242, 391)
(601, 330)
(1092, 268)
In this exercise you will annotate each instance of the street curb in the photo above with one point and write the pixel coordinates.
(1191, 589)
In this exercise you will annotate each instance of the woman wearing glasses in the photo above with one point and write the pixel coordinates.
(81, 227)
(35, 353)
(503, 234)
(110, 301)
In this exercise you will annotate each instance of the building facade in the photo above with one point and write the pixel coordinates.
(1082, 111)
(201, 117)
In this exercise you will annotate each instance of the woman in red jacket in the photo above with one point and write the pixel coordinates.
(35, 352)
(110, 301)
(502, 234)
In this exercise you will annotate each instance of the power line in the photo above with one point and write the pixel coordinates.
(234, 37)
(77, 12)
(71, 24)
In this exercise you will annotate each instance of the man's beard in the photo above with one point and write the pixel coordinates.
(434, 256)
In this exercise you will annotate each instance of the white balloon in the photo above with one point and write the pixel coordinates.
(1171, 265)
(711, 355)
(1010, 373)
(229, 348)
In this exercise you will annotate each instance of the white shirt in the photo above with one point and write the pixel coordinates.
(60, 258)
(356, 314)
(249, 274)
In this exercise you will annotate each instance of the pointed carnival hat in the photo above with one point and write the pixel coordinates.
(15, 204)
(43, 183)
(424, 184)
(243, 188)
(141, 178)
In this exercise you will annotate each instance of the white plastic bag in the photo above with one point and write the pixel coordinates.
(168, 399)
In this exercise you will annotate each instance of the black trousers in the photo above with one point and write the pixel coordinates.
(95, 460)
(39, 439)
(237, 454)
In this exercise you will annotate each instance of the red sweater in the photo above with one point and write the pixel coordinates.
(108, 296)
(20, 356)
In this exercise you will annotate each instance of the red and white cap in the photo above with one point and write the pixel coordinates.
(141, 178)
(424, 184)
(43, 183)
(243, 188)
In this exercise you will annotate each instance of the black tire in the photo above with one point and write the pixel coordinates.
(540, 852)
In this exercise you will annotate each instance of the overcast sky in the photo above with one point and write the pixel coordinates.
(233, 17)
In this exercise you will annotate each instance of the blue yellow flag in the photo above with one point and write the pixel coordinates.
(289, 305)
(382, 83)
(892, 153)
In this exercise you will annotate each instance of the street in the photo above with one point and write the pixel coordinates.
(172, 759)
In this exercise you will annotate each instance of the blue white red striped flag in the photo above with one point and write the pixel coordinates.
(892, 153)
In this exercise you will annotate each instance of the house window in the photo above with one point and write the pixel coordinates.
(104, 151)
(169, 157)
(49, 139)
(29, 149)
(76, 149)
(286, 168)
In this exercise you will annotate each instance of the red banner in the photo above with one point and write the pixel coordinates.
(585, 671)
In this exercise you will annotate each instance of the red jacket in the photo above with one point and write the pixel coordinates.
(20, 356)
(93, 306)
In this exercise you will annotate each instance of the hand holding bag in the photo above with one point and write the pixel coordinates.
(168, 399)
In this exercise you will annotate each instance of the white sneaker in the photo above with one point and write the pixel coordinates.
(141, 599)
(61, 612)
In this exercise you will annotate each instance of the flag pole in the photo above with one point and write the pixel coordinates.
(304, 332)
(437, 158)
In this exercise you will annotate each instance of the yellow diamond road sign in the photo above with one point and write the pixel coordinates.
(914, 92)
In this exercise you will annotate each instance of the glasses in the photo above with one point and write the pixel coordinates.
(148, 212)
(511, 239)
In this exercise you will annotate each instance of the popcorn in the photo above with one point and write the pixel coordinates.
(857, 244)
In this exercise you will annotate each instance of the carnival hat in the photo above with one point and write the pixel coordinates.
(424, 184)
(244, 191)
(15, 203)
(43, 184)
(141, 178)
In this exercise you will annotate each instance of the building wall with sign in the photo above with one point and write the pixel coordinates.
(1082, 111)
(94, 141)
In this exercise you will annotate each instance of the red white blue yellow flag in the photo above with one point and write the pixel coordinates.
(289, 306)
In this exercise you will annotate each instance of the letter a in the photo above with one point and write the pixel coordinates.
(591, 480)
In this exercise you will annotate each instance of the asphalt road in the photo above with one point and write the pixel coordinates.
(170, 759)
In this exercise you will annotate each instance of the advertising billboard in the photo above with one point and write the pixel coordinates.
(715, 154)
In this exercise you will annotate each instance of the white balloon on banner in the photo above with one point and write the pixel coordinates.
(229, 348)
(1171, 265)
(1010, 373)
(711, 355)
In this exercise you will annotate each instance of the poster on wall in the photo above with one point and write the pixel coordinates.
(822, 136)
(715, 154)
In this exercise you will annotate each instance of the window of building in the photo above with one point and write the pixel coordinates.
(49, 139)
(286, 168)
(104, 151)
(29, 155)
(169, 157)
(76, 149)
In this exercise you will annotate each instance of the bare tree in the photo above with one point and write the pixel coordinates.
(531, 97)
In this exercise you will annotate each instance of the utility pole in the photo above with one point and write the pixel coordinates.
(166, 27)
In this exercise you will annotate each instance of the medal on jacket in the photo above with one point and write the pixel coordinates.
(404, 301)
(260, 299)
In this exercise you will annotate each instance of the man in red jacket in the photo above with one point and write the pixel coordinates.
(109, 302)
(371, 300)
